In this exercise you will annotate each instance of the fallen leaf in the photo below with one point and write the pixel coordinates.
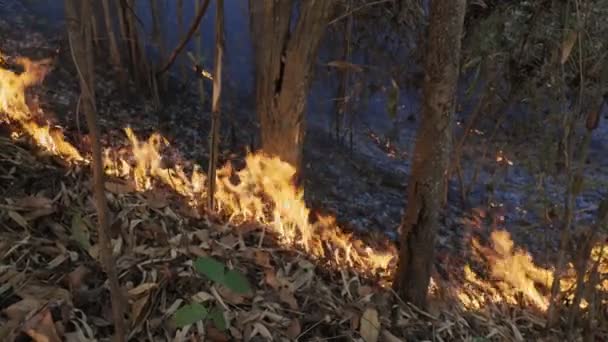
(270, 278)
(294, 329)
(156, 199)
(567, 45)
(19, 310)
(288, 298)
(215, 335)
(142, 288)
(138, 307)
(80, 232)
(189, 314)
(364, 290)
(34, 202)
(41, 327)
(262, 259)
(20, 220)
(387, 336)
(120, 188)
(76, 278)
(230, 296)
(370, 325)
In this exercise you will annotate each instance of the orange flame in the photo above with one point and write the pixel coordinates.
(13, 107)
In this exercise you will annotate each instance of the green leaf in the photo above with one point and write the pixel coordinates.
(211, 268)
(80, 232)
(237, 282)
(217, 317)
(189, 314)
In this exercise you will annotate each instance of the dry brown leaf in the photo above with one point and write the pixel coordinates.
(76, 278)
(138, 307)
(34, 214)
(271, 279)
(41, 327)
(34, 202)
(230, 296)
(142, 288)
(294, 329)
(288, 298)
(260, 329)
(567, 45)
(215, 335)
(387, 336)
(20, 220)
(364, 290)
(370, 325)
(120, 188)
(262, 258)
(157, 199)
(229, 241)
(19, 310)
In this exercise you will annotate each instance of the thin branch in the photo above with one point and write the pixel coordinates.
(182, 44)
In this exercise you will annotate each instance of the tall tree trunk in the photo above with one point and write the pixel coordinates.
(342, 99)
(80, 35)
(115, 59)
(215, 102)
(199, 50)
(431, 153)
(180, 33)
(159, 41)
(284, 63)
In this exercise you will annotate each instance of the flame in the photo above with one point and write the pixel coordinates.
(14, 108)
(263, 192)
(517, 273)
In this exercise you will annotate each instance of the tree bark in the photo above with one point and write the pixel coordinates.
(115, 58)
(283, 73)
(431, 152)
(80, 35)
(214, 137)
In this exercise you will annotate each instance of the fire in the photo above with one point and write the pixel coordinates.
(516, 273)
(263, 192)
(14, 108)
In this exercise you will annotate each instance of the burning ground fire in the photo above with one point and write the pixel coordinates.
(262, 192)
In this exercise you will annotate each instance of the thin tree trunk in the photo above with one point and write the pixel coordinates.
(198, 48)
(79, 32)
(342, 99)
(215, 101)
(284, 63)
(180, 32)
(157, 36)
(115, 59)
(431, 153)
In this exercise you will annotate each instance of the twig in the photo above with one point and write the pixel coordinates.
(182, 44)
(357, 9)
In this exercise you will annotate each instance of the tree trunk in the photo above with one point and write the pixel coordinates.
(115, 58)
(180, 33)
(214, 137)
(80, 35)
(431, 153)
(284, 63)
(199, 49)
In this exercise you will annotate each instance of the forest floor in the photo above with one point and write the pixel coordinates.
(42, 264)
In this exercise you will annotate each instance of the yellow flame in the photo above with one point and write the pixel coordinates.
(13, 107)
